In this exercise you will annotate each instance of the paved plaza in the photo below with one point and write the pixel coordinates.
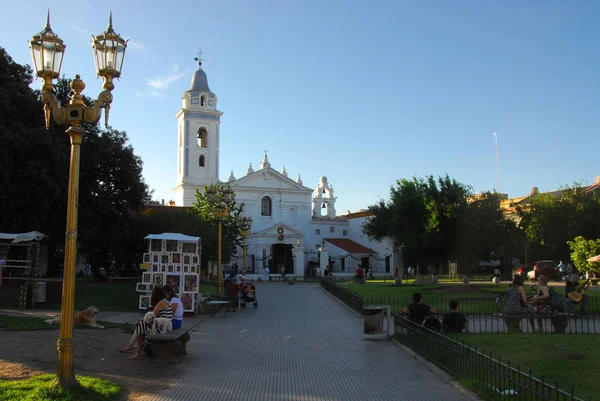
(300, 344)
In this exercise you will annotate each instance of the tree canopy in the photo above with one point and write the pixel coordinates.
(440, 219)
(551, 220)
(581, 251)
(35, 171)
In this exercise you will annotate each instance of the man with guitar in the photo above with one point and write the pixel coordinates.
(575, 293)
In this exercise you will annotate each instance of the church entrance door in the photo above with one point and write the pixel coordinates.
(282, 256)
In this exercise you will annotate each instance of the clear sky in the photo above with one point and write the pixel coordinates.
(362, 92)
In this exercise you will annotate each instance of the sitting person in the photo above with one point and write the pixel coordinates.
(454, 322)
(231, 293)
(573, 285)
(176, 306)
(141, 328)
(418, 312)
(516, 302)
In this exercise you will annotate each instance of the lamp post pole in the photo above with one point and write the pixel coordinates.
(220, 200)
(219, 267)
(47, 51)
(245, 225)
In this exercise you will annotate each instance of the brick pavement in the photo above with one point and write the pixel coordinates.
(300, 344)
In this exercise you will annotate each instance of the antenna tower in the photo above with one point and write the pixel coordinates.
(497, 163)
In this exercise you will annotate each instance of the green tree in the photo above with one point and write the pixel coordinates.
(205, 208)
(35, 171)
(550, 220)
(581, 251)
(441, 220)
(485, 233)
(422, 215)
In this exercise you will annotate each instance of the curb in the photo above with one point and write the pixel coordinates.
(433, 368)
(355, 313)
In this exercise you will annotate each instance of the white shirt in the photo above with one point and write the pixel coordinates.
(178, 314)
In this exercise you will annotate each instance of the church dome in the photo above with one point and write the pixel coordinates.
(199, 81)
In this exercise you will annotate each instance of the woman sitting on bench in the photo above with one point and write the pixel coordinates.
(176, 306)
(141, 329)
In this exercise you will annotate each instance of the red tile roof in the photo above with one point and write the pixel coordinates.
(348, 245)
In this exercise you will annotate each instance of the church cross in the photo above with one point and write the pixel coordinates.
(266, 151)
(199, 59)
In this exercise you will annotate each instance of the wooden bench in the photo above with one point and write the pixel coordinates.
(169, 347)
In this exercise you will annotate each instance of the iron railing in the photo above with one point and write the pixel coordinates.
(351, 299)
(486, 315)
(489, 377)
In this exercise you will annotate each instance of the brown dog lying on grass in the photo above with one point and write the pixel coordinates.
(86, 316)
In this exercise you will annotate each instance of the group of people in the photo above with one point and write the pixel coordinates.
(544, 301)
(423, 314)
(165, 304)
(238, 288)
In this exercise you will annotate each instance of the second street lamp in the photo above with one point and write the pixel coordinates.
(47, 51)
(245, 225)
(220, 200)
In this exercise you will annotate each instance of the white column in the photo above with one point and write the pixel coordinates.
(298, 253)
(324, 261)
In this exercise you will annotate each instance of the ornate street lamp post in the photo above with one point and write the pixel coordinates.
(245, 225)
(47, 51)
(220, 201)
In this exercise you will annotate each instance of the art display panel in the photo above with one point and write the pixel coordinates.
(172, 262)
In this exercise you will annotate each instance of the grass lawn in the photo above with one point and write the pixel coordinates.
(572, 360)
(113, 296)
(40, 388)
(25, 323)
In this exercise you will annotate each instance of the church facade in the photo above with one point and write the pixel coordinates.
(295, 228)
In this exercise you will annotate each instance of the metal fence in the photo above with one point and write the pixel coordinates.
(348, 297)
(485, 314)
(491, 378)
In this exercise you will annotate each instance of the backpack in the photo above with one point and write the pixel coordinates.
(555, 301)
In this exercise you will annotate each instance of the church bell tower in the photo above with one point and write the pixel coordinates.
(198, 137)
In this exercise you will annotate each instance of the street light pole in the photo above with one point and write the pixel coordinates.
(220, 200)
(245, 225)
(219, 267)
(47, 51)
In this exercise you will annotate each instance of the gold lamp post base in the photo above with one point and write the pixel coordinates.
(65, 376)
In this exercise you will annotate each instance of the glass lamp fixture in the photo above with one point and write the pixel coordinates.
(47, 51)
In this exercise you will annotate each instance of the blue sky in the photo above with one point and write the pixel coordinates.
(362, 92)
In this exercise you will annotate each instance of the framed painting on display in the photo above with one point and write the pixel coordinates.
(190, 282)
(174, 281)
(144, 302)
(157, 279)
(187, 300)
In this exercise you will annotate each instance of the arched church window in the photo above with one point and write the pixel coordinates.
(202, 136)
(265, 206)
(202, 100)
(201, 161)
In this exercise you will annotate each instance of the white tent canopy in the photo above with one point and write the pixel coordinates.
(23, 237)
(173, 236)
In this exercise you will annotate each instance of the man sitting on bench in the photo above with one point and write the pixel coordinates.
(232, 290)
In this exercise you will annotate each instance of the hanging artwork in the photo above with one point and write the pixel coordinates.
(187, 300)
(190, 282)
(173, 281)
(146, 278)
(157, 279)
(144, 302)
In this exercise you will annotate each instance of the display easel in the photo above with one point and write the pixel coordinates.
(172, 259)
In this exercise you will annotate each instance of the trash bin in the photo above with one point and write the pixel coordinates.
(40, 292)
(373, 316)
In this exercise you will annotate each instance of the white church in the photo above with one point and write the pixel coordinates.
(294, 228)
